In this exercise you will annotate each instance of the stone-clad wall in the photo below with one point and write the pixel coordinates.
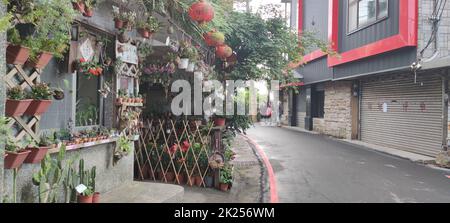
(2, 94)
(337, 120)
(426, 8)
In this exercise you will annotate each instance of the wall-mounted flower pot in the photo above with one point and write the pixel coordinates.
(79, 6)
(184, 63)
(41, 61)
(38, 107)
(190, 67)
(15, 160)
(145, 33)
(219, 122)
(224, 187)
(58, 95)
(85, 199)
(16, 54)
(36, 154)
(118, 23)
(96, 198)
(88, 12)
(16, 107)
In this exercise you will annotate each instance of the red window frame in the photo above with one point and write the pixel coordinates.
(407, 36)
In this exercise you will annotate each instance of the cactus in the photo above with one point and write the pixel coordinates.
(93, 175)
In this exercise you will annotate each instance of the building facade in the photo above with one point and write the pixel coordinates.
(388, 83)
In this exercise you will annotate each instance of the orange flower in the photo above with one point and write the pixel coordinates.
(99, 70)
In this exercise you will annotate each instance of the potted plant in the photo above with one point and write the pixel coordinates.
(58, 94)
(90, 69)
(15, 154)
(79, 5)
(187, 53)
(219, 120)
(51, 34)
(226, 178)
(16, 104)
(38, 152)
(41, 95)
(86, 196)
(89, 9)
(16, 53)
(148, 27)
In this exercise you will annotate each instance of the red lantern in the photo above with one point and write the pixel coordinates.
(202, 12)
(214, 38)
(223, 52)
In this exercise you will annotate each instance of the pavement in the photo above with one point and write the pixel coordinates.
(313, 168)
(248, 185)
(144, 192)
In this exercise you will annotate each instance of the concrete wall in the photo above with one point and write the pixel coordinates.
(101, 156)
(426, 8)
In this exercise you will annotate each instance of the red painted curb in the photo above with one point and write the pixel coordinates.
(270, 172)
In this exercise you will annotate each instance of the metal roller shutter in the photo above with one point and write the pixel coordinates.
(413, 119)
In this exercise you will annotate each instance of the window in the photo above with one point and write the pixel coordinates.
(318, 104)
(88, 101)
(362, 13)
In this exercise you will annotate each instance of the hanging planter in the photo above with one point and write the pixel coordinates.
(16, 107)
(41, 94)
(118, 23)
(41, 61)
(201, 12)
(145, 33)
(190, 67)
(16, 54)
(184, 63)
(15, 159)
(214, 38)
(79, 5)
(36, 154)
(148, 27)
(223, 52)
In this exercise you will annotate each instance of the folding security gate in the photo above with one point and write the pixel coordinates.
(401, 114)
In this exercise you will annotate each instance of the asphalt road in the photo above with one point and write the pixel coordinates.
(313, 168)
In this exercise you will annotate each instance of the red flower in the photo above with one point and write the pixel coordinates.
(82, 60)
(93, 71)
(185, 146)
(173, 149)
(99, 70)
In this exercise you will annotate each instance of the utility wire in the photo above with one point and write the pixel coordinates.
(436, 18)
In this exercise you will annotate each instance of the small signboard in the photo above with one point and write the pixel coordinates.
(127, 52)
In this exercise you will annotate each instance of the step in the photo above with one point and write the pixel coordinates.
(144, 192)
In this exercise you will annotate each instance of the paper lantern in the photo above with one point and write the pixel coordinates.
(214, 38)
(202, 12)
(223, 52)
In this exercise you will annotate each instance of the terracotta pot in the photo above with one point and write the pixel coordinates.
(38, 107)
(198, 181)
(41, 62)
(85, 199)
(96, 197)
(181, 179)
(88, 12)
(36, 154)
(119, 101)
(118, 23)
(191, 181)
(145, 33)
(79, 6)
(16, 107)
(16, 54)
(224, 187)
(219, 122)
(15, 160)
(170, 177)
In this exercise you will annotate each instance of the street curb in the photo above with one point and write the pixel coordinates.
(268, 182)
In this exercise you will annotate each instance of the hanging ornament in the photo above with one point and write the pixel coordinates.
(202, 12)
(223, 52)
(214, 38)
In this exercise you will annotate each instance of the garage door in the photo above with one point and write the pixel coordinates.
(401, 114)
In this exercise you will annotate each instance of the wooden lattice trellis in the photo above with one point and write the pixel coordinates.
(155, 160)
(18, 76)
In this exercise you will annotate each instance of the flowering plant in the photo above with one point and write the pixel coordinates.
(158, 69)
(89, 68)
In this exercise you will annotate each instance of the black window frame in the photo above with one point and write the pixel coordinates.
(358, 27)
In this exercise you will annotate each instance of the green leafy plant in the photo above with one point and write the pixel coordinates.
(16, 93)
(46, 140)
(226, 174)
(151, 24)
(123, 147)
(41, 91)
(90, 4)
